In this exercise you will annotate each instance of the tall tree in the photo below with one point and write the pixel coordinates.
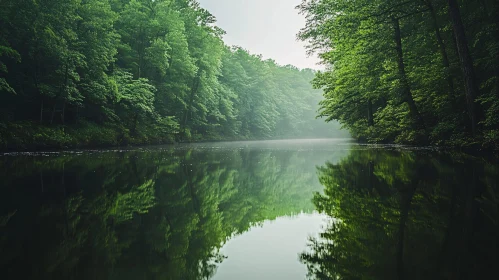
(471, 83)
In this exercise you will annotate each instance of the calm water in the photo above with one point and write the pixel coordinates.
(323, 209)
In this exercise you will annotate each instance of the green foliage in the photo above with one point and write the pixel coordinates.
(25, 134)
(393, 68)
(88, 134)
(7, 53)
(145, 72)
(32, 136)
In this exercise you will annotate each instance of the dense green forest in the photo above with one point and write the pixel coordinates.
(117, 72)
(424, 71)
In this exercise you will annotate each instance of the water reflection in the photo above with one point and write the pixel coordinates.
(165, 213)
(407, 215)
(151, 214)
(270, 251)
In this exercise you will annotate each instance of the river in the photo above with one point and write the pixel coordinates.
(290, 209)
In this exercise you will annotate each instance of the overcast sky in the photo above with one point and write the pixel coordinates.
(266, 27)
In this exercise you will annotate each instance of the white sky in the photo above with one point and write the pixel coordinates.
(266, 27)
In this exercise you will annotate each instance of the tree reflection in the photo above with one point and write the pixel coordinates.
(406, 215)
(141, 215)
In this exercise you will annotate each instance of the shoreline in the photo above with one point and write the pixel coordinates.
(487, 153)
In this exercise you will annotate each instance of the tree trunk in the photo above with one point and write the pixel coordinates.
(370, 118)
(406, 90)
(135, 118)
(140, 51)
(194, 89)
(35, 80)
(442, 48)
(466, 60)
(41, 112)
(63, 112)
(60, 94)
(53, 114)
(496, 69)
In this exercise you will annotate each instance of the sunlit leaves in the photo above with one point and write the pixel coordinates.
(355, 40)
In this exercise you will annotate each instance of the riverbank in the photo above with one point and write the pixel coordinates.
(31, 136)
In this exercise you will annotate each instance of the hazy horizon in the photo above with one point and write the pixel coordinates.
(266, 27)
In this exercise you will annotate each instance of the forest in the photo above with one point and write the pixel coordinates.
(117, 72)
(77, 73)
(417, 72)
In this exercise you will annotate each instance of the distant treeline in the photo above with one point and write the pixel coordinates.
(424, 71)
(111, 72)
